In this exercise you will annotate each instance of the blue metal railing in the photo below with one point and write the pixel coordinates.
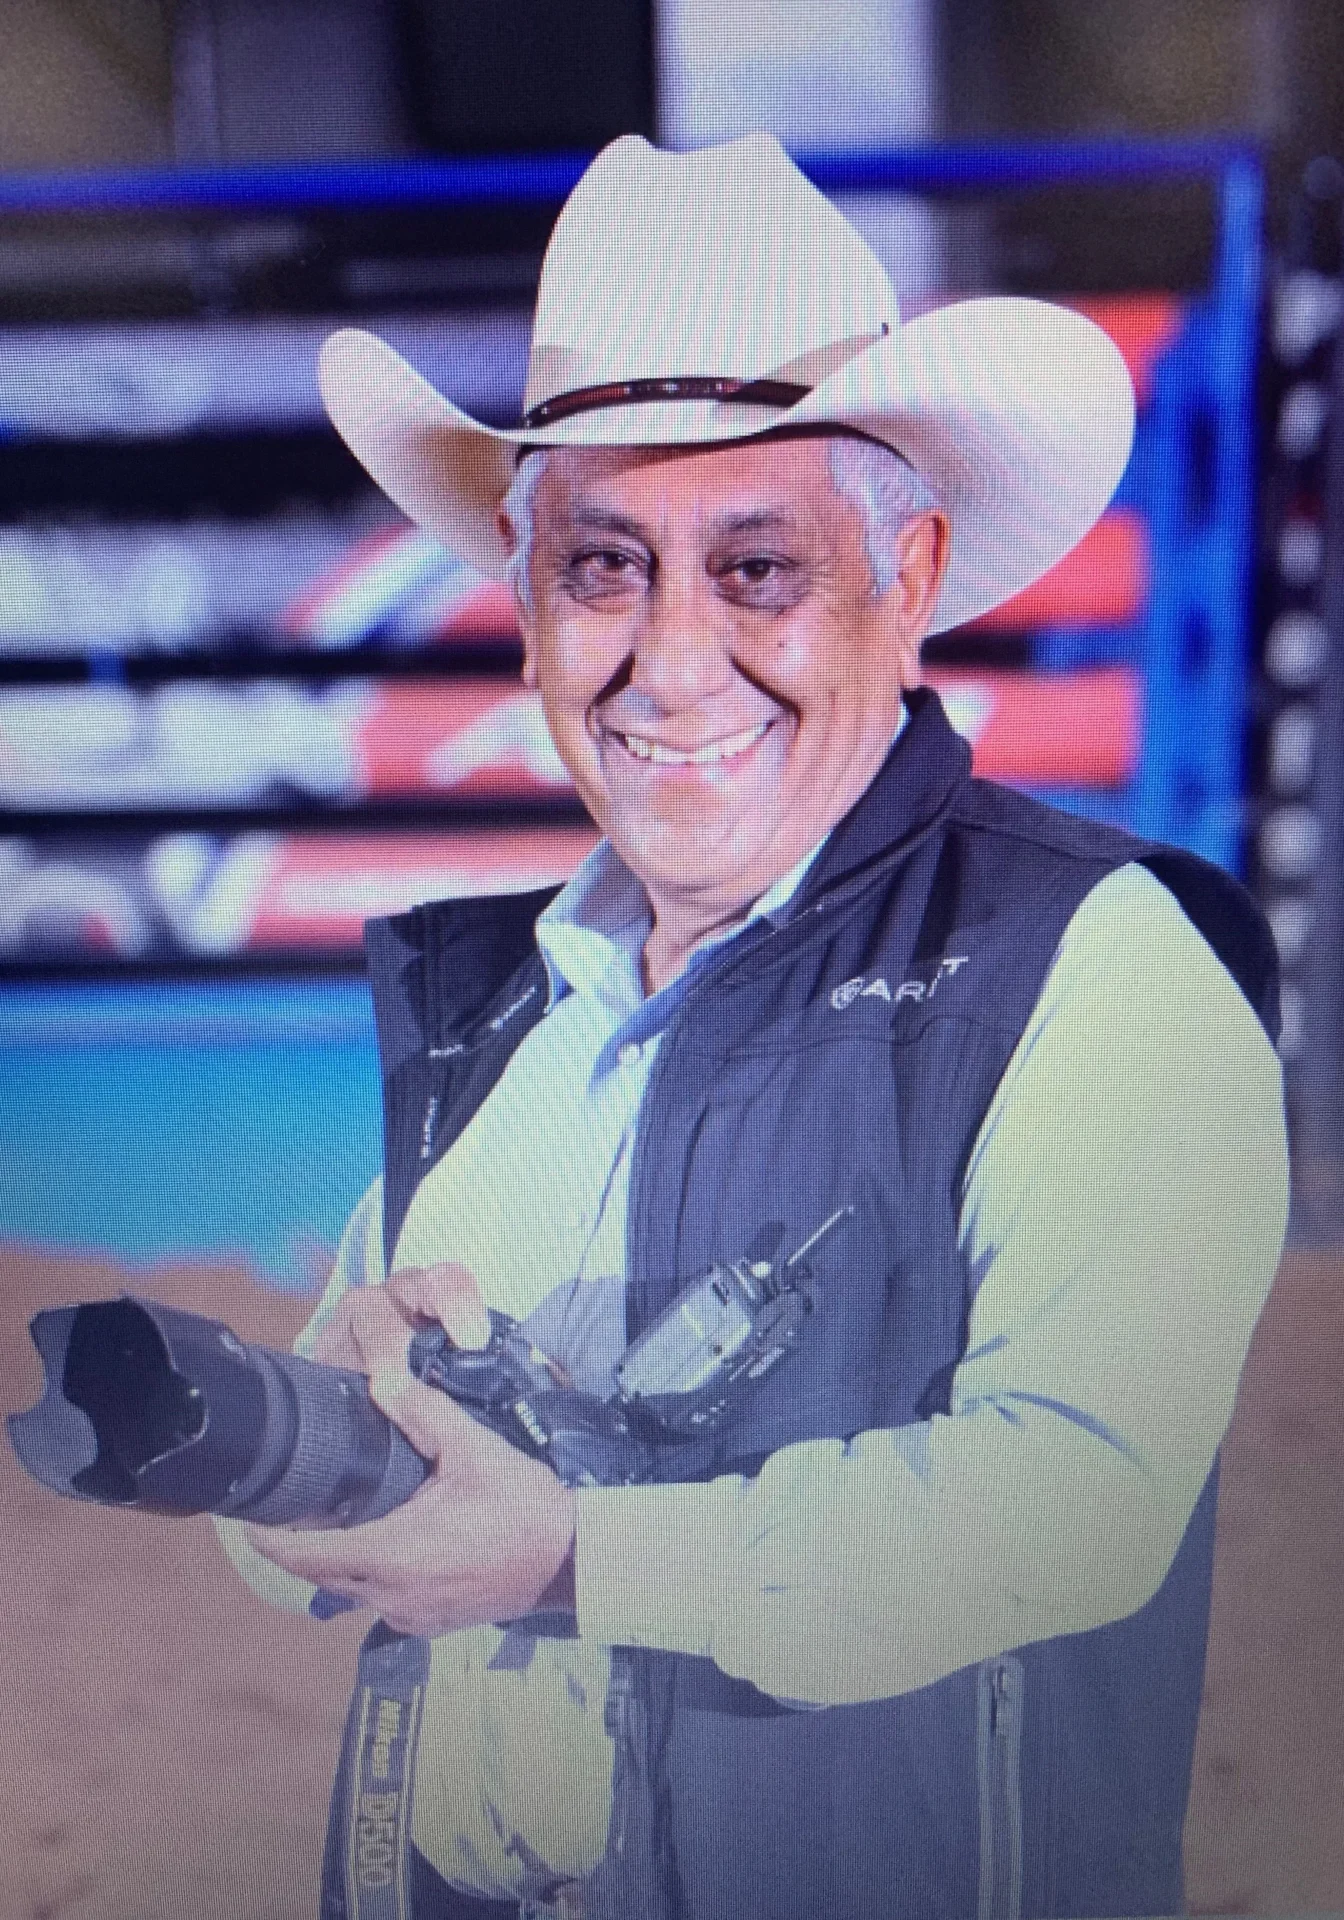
(545, 179)
(1200, 502)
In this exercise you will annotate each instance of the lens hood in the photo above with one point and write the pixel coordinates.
(170, 1412)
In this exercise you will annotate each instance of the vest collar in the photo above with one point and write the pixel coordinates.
(914, 788)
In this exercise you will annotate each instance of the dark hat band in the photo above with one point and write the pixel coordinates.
(682, 386)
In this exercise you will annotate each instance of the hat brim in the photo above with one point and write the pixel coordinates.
(1019, 414)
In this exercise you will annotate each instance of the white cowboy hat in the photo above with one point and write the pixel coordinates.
(717, 295)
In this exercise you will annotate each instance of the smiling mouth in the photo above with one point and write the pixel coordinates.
(730, 747)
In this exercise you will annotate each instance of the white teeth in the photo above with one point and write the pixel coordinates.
(725, 749)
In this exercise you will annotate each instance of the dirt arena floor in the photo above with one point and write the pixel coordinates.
(169, 1741)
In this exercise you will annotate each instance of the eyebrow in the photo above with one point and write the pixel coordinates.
(604, 520)
(761, 520)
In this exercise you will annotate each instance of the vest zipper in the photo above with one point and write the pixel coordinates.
(620, 1689)
(626, 1881)
(999, 1766)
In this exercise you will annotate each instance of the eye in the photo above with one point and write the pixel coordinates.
(771, 581)
(595, 572)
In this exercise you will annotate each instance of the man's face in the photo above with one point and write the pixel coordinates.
(717, 673)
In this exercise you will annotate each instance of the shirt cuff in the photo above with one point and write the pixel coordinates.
(648, 1562)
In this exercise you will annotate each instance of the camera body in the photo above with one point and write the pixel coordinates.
(510, 1386)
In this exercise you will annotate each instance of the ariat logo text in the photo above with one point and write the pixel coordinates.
(862, 988)
(842, 995)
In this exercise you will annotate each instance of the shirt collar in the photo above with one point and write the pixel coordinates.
(597, 925)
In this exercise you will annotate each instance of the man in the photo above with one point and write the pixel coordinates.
(920, 1631)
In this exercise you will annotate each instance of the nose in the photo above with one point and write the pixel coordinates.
(682, 652)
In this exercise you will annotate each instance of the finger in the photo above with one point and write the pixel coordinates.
(333, 1344)
(334, 1348)
(357, 1318)
(322, 1558)
(382, 1336)
(448, 1293)
(429, 1420)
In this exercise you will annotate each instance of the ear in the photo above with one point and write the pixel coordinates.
(522, 613)
(923, 547)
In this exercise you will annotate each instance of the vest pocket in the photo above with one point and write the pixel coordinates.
(999, 1768)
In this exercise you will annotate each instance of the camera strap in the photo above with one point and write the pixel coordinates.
(366, 1861)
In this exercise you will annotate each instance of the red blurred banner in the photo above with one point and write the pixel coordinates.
(476, 737)
(1102, 582)
(1067, 729)
(1142, 325)
(318, 889)
(266, 744)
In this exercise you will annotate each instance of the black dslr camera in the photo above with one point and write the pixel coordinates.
(170, 1412)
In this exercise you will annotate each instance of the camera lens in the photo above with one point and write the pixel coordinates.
(152, 1408)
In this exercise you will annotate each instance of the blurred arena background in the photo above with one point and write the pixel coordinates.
(243, 706)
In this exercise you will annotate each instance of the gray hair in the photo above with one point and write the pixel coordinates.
(879, 482)
(887, 491)
(519, 503)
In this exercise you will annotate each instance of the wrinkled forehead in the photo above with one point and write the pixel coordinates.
(786, 477)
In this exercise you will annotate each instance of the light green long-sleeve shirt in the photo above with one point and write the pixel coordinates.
(1123, 1211)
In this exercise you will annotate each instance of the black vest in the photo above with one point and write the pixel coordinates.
(1052, 1779)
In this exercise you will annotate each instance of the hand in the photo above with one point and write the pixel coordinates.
(372, 1327)
(490, 1534)
(488, 1537)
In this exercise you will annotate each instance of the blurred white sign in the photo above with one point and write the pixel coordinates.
(816, 74)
